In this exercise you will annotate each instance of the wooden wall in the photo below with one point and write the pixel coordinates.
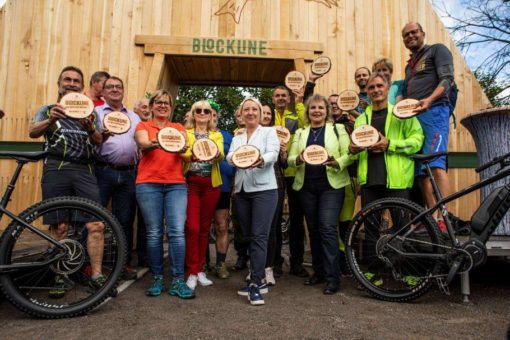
(39, 37)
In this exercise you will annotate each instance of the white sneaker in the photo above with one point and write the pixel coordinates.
(203, 280)
(270, 281)
(192, 282)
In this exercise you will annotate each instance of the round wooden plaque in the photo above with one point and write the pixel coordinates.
(245, 156)
(295, 80)
(171, 139)
(321, 65)
(77, 105)
(315, 155)
(365, 136)
(348, 100)
(204, 149)
(117, 122)
(283, 134)
(405, 108)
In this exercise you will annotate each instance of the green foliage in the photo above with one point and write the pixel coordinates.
(228, 98)
(493, 88)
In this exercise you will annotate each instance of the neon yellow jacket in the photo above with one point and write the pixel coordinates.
(217, 138)
(336, 147)
(292, 121)
(405, 137)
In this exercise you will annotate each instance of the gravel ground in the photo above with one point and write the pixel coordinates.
(292, 310)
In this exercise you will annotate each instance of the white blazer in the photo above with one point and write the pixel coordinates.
(257, 179)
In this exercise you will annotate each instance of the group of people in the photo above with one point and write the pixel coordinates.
(181, 195)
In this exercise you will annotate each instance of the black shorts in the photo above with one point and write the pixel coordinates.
(224, 202)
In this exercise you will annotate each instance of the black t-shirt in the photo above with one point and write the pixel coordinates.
(426, 70)
(376, 164)
(316, 136)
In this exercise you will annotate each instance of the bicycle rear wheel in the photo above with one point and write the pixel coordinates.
(395, 269)
(53, 287)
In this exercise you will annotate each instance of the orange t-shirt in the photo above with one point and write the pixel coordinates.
(156, 165)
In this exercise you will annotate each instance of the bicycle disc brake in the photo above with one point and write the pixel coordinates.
(72, 261)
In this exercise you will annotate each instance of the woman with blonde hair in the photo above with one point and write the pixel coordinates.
(204, 182)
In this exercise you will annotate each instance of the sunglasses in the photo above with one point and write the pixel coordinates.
(203, 111)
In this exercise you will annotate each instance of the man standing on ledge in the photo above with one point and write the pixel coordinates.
(429, 78)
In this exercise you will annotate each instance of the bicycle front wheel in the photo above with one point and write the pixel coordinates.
(54, 281)
(392, 261)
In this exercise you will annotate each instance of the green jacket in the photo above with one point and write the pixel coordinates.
(405, 137)
(292, 121)
(338, 147)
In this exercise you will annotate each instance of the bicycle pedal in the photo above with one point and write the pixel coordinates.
(443, 286)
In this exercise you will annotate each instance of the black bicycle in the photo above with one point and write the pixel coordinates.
(48, 252)
(396, 251)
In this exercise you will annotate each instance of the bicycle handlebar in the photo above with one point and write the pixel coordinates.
(494, 161)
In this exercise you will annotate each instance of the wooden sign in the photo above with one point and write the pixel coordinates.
(117, 122)
(321, 65)
(295, 80)
(171, 139)
(283, 134)
(405, 108)
(77, 105)
(245, 156)
(315, 155)
(348, 100)
(365, 136)
(204, 149)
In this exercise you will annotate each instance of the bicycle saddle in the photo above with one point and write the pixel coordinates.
(24, 155)
(425, 158)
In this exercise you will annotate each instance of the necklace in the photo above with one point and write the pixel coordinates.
(316, 133)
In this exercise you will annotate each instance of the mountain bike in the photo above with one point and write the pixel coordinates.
(396, 250)
(45, 267)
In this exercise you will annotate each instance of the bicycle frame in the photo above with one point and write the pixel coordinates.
(3, 210)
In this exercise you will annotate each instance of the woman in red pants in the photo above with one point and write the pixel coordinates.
(204, 181)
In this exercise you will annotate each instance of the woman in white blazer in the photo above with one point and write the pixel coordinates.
(256, 194)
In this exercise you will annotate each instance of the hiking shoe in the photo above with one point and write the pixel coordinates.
(262, 288)
(203, 280)
(270, 277)
(254, 295)
(96, 284)
(411, 281)
(192, 281)
(299, 271)
(58, 291)
(222, 271)
(180, 289)
(157, 287)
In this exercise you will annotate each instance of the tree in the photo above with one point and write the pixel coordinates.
(492, 89)
(228, 99)
(484, 28)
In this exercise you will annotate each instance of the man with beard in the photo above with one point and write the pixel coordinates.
(67, 169)
(361, 76)
(429, 79)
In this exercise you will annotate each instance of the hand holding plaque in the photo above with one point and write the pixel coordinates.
(246, 156)
(295, 80)
(117, 122)
(171, 140)
(321, 65)
(365, 136)
(205, 150)
(77, 105)
(283, 134)
(406, 108)
(315, 155)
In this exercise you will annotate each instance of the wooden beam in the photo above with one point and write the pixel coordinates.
(155, 73)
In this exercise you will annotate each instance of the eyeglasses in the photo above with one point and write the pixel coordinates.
(203, 111)
(118, 87)
(161, 103)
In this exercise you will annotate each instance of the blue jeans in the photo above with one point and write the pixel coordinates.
(119, 186)
(321, 205)
(162, 203)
